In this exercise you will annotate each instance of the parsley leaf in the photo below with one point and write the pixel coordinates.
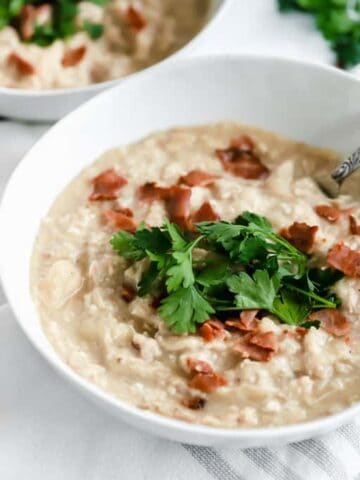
(184, 308)
(95, 30)
(257, 292)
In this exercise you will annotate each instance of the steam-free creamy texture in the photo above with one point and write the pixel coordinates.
(126, 45)
(127, 350)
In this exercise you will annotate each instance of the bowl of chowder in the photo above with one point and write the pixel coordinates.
(178, 262)
(55, 55)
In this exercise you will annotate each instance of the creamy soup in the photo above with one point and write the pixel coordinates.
(109, 41)
(251, 371)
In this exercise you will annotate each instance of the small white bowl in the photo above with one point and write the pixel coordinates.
(50, 105)
(319, 105)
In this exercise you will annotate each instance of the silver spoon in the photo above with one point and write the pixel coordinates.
(331, 185)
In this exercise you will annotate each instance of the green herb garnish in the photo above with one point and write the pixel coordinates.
(338, 21)
(226, 267)
(62, 23)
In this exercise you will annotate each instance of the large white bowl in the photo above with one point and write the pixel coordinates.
(50, 105)
(316, 104)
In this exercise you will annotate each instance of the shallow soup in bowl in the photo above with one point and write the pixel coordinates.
(185, 268)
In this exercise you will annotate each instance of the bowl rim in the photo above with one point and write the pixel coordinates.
(96, 87)
(148, 417)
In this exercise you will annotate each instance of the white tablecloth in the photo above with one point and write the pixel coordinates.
(49, 432)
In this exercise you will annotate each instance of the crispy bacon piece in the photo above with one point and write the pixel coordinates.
(22, 66)
(330, 212)
(246, 322)
(127, 293)
(199, 366)
(106, 185)
(207, 382)
(212, 329)
(136, 19)
(344, 259)
(198, 178)
(178, 205)
(30, 16)
(27, 21)
(332, 320)
(73, 56)
(241, 160)
(301, 235)
(354, 227)
(121, 218)
(150, 192)
(205, 213)
(257, 346)
(194, 403)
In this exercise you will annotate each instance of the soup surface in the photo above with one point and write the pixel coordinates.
(242, 368)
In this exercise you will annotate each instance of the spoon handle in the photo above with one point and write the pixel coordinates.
(348, 166)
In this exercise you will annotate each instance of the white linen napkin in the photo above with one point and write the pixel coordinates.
(48, 431)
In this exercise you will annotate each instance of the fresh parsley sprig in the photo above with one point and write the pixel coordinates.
(238, 266)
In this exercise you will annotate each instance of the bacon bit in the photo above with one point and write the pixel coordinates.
(301, 235)
(207, 382)
(178, 205)
(136, 19)
(240, 159)
(23, 67)
(127, 293)
(27, 21)
(330, 212)
(301, 331)
(198, 366)
(354, 227)
(246, 322)
(344, 259)
(31, 16)
(257, 346)
(194, 403)
(198, 178)
(150, 192)
(332, 320)
(106, 185)
(212, 329)
(205, 213)
(73, 56)
(121, 218)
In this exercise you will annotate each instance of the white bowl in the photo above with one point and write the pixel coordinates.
(50, 105)
(316, 104)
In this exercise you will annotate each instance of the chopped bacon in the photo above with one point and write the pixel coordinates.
(121, 218)
(31, 16)
(150, 192)
(73, 56)
(241, 160)
(178, 205)
(207, 382)
(301, 235)
(212, 329)
(332, 320)
(194, 403)
(199, 366)
(136, 19)
(106, 185)
(344, 259)
(27, 21)
(127, 293)
(22, 66)
(257, 346)
(205, 213)
(354, 227)
(331, 213)
(198, 178)
(246, 322)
